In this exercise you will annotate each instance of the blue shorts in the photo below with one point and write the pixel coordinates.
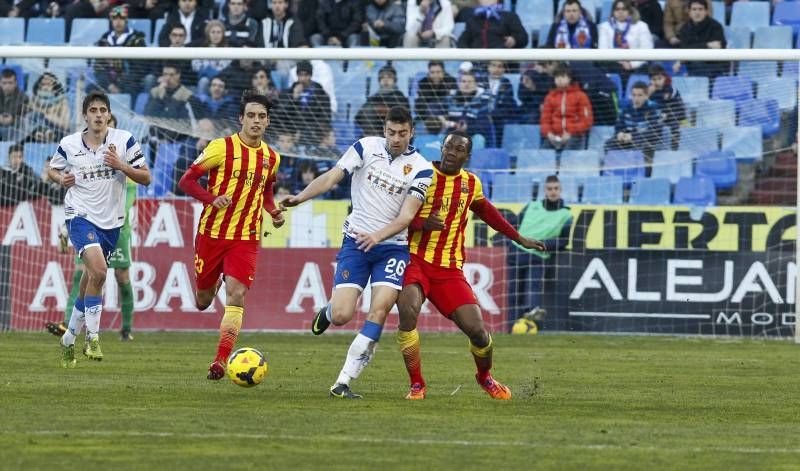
(384, 264)
(84, 234)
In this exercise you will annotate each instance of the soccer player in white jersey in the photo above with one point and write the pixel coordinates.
(93, 165)
(385, 172)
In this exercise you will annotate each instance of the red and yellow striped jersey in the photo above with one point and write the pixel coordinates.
(241, 172)
(450, 196)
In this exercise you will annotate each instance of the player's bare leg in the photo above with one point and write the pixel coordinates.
(362, 349)
(229, 328)
(123, 278)
(339, 311)
(468, 319)
(204, 297)
(410, 304)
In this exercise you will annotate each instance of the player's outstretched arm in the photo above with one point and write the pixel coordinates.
(190, 185)
(318, 186)
(411, 205)
(489, 214)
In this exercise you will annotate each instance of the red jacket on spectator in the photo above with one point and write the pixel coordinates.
(567, 110)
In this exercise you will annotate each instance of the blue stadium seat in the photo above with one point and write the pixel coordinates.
(617, 81)
(627, 164)
(734, 88)
(570, 190)
(598, 135)
(750, 14)
(458, 30)
(693, 90)
(351, 93)
(716, 114)
(580, 163)
(773, 37)
(87, 31)
(603, 190)
(718, 12)
(632, 80)
(163, 169)
(791, 69)
(672, 165)
(46, 31)
(429, 145)
(651, 191)
(744, 142)
(592, 6)
(699, 140)
(491, 158)
(136, 125)
(141, 102)
(346, 133)
(763, 113)
(738, 37)
(521, 136)
(36, 154)
(145, 26)
(534, 13)
(157, 27)
(756, 71)
(538, 163)
(782, 90)
(12, 31)
(695, 191)
(719, 166)
(544, 30)
(512, 187)
(787, 14)
(120, 101)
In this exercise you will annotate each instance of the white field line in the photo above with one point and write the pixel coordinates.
(403, 441)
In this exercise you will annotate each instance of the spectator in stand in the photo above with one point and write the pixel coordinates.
(639, 124)
(566, 114)
(534, 85)
(668, 100)
(186, 14)
(339, 23)
(280, 29)
(651, 13)
(85, 9)
(676, 14)
(206, 69)
(261, 81)
(490, 26)
(702, 32)
(370, 117)
(468, 110)
(601, 91)
(19, 182)
(573, 28)
(152, 9)
(119, 75)
(304, 107)
(177, 37)
(306, 173)
(48, 115)
(191, 148)
(170, 99)
(430, 105)
(239, 75)
(503, 107)
(429, 23)
(323, 75)
(240, 28)
(624, 30)
(13, 103)
(220, 107)
(386, 22)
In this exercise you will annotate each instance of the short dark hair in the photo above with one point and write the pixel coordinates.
(253, 96)
(640, 85)
(170, 66)
(434, 63)
(398, 114)
(96, 95)
(657, 69)
(175, 26)
(562, 69)
(387, 69)
(464, 135)
(18, 147)
(8, 73)
(699, 2)
(573, 2)
(552, 179)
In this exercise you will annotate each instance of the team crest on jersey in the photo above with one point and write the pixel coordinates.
(90, 236)
(407, 169)
(464, 188)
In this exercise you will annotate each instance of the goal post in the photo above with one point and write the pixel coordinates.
(633, 263)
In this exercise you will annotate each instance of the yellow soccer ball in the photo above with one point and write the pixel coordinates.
(247, 367)
(525, 326)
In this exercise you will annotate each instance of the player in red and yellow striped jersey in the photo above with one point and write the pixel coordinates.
(241, 171)
(436, 241)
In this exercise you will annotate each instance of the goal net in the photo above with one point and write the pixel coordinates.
(676, 178)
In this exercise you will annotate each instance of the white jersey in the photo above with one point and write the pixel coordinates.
(99, 191)
(380, 183)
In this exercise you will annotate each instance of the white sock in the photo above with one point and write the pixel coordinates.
(76, 321)
(93, 321)
(328, 313)
(358, 357)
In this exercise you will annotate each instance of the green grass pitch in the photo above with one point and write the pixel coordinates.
(580, 402)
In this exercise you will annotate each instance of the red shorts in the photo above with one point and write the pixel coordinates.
(446, 288)
(236, 258)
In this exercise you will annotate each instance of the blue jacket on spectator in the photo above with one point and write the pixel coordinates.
(473, 110)
(637, 120)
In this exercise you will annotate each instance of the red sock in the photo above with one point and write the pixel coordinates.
(410, 348)
(228, 331)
